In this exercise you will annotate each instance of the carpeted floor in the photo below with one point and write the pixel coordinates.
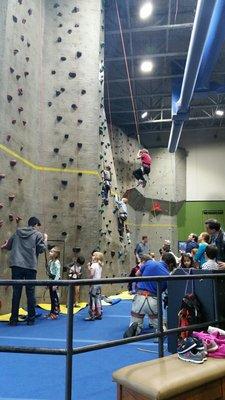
(38, 377)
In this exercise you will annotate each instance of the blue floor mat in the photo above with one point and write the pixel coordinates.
(40, 377)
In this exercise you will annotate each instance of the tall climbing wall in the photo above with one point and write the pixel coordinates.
(50, 101)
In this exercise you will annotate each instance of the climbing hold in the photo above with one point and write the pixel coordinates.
(26, 74)
(24, 123)
(64, 165)
(53, 72)
(20, 92)
(13, 163)
(66, 136)
(18, 219)
(76, 249)
(74, 106)
(59, 118)
(78, 54)
(62, 89)
(14, 18)
(79, 121)
(55, 197)
(76, 25)
(72, 75)
(20, 109)
(21, 148)
(22, 38)
(59, 39)
(72, 204)
(75, 10)
(8, 137)
(64, 182)
(29, 11)
(28, 44)
(64, 233)
(79, 227)
(113, 253)
(57, 93)
(54, 216)
(83, 91)
(63, 58)
(79, 145)
(15, 52)
(27, 59)
(1, 205)
(11, 217)
(60, 25)
(69, 31)
(11, 70)
(20, 1)
(59, 14)
(11, 197)
(18, 77)
(49, 103)
(80, 174)
(2, 176)
(56, 5)
(9, 98)
(71, 160)
(20, 180)
(24, 21)
(14, 121)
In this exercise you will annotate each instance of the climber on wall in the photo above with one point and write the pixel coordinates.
(121, 209)
(106, 186)
(145, 168)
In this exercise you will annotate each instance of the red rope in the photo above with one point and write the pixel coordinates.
(128, 74)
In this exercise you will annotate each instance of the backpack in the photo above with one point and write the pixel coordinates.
(190, 313)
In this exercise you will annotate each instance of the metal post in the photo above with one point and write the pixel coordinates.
(69, 344)
(160, 320)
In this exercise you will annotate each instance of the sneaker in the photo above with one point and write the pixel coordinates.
(199, 344)
(89, 318)
(190, 356)
(186, 345)
(210, 345)
(214, 329)
(131, 330)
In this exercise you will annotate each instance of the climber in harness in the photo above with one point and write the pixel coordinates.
(146, 161)
(145, 300)
(106, 184)
(121, 209)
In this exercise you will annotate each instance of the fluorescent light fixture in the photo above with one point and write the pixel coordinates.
(146, 66)
(144, 115)
(146, 10)
(219, 113)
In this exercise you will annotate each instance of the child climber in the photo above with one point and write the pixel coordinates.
(53, 271)
(121, 209)
(146, 161)
(95, 305)
(106, 184)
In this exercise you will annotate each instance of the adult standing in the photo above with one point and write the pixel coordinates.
(217, 237)
(192, 243)
(141, 248)
(25, 245)
(199, 256)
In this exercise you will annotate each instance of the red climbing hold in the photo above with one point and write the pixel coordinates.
(156, 208)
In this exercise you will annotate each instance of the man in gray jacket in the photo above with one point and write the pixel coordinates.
(25, 245)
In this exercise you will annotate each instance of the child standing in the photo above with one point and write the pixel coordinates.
(146, 161)
(211, 253)
(186, 261)
(75, 272)
(53, 270)
(95, 305)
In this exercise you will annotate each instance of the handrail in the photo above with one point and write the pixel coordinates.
(69, 351)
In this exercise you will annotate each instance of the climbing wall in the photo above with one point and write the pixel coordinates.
(50, 101)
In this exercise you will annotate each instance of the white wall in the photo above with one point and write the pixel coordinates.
(205, 174)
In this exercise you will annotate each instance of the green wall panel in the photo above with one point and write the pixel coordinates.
(191, 216)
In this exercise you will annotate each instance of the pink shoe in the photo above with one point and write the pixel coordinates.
(211, 345)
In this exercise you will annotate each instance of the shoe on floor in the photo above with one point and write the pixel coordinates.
(89, 318)
(186, 345)
(191, 356)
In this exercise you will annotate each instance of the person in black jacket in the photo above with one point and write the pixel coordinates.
(217, 237)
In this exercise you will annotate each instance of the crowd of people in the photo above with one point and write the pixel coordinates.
(206, 252)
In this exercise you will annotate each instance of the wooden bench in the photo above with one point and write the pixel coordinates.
(171, 378)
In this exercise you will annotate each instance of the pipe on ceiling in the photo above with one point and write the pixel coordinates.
(195, 52)
(214, 40)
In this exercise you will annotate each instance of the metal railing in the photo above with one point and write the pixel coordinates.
(69, 351)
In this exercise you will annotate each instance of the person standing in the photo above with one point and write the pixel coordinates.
(54, 269)
(25, 245)
(217, 237)
(141, 248)
(192, 242)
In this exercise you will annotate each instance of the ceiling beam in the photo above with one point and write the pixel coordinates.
(143, 56)
(141, 96)
(167, 120)
(166, 131)
(200, 106)
(146, 78)
(152, 28)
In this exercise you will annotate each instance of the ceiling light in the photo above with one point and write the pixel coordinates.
(146, 66)
(145, 10)
(219, 113)
(144, 115)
